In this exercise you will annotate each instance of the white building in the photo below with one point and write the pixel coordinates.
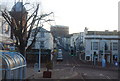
(66, 42)
(101, 44)
(5, 29)
(80, 46)
(44, 39)
(80, 41)
(73, 38)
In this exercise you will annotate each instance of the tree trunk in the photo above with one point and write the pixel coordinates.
(22, 50)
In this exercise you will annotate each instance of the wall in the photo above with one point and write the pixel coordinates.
(101, 45)
(48, 40)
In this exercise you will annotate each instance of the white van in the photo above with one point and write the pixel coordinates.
(59, 55)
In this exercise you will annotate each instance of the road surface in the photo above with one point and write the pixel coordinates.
(73, 64)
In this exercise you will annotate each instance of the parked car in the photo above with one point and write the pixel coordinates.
(59, 55)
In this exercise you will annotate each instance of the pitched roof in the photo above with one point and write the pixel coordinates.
(41, 29)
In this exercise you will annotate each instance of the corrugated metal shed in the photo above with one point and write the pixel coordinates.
(12, 65)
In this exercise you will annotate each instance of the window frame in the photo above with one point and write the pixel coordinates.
(114, 44)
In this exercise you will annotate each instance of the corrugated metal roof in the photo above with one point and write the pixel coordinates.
(11, 60)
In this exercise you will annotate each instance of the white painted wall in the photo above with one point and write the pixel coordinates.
(73, 39)
(88, 51)
(48, 40)
(88, 44)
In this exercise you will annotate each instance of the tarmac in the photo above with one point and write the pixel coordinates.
(62, 73)
(110, 67)
(56, 73)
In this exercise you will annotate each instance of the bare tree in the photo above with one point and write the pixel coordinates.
(21, 30)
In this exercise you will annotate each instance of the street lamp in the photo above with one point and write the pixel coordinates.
(39, 55)
(39, 58)
(39, 65)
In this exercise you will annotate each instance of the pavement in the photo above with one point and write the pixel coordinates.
(110, 68)
(61, 73)
(70, 68)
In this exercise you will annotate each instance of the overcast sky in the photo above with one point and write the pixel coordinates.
(78, 14)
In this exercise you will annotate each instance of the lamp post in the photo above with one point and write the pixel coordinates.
(39, 58)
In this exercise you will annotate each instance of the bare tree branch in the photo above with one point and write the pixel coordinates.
(44, 15)
(32, 23)
(32, 15)
(6, 18)
(19, 27)
(35, 34)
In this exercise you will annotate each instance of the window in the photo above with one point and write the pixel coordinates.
(42, 34)
(106, 46)
(41, 44)
(95, 45)
(91, 46)
(115, 46)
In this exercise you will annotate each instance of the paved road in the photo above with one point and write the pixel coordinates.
(82, 70)
(72, 68)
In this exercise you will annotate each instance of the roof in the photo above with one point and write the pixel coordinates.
(41, 29)
(18, 7)
(74, 34)
(60, 26)
(102, 32)
(11, 60)
(68, 36)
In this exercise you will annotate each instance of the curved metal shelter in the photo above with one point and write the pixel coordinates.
(12, 65)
